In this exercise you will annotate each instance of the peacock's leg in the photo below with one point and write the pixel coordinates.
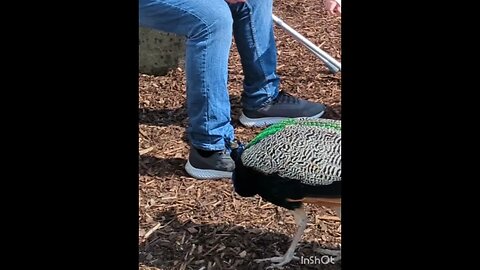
(301, 221)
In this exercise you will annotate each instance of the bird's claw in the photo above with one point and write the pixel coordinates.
(335, 254)
(278, 261)
(273, 266)
(272, 259)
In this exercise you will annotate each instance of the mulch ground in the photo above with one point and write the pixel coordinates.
(191, 224)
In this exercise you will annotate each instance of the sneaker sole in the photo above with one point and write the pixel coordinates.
(266, 121)
(205, 173)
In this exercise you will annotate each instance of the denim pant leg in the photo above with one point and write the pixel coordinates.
(207, 25)
(254, 37)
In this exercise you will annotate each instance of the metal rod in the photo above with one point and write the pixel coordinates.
(332, 64)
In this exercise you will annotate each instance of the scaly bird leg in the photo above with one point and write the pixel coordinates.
(301, 221)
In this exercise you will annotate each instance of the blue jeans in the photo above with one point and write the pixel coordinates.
(208, 26)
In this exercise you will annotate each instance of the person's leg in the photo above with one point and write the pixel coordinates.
(262, 102)
(207, 25)
(253, 30)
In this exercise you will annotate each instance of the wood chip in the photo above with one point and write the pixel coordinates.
(144, 151)
(192, 230)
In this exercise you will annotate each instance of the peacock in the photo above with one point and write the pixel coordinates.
(292, 162)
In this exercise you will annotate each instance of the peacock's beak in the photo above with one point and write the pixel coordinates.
(236, 148)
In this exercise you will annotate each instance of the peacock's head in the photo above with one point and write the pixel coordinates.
(236, 148)
(242, 182)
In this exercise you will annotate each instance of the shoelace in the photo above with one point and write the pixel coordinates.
(284, 97)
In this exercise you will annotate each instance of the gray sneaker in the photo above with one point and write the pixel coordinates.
(218, 165)
(283, 107)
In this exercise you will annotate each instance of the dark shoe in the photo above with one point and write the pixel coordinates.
(217, 165)
(283, 107)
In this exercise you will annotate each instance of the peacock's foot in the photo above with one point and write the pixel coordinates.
(336, 255)
(278, 261)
